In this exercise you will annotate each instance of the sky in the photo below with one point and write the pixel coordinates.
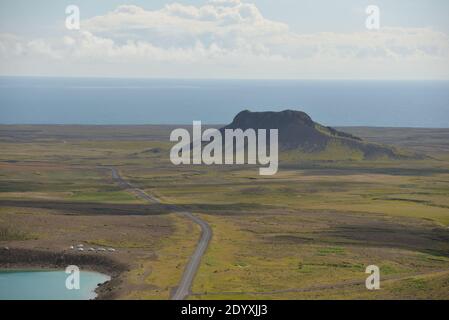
(254, 39)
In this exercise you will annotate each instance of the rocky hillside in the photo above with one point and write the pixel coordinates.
(298, 132)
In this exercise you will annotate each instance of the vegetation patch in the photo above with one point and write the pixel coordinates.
(11, 234)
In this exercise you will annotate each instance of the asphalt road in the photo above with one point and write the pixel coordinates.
(185, 285)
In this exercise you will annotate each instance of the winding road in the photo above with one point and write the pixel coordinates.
(185, 285)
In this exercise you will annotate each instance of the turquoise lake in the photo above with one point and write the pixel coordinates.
(47, 285)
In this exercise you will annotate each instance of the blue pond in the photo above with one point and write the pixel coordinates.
(47, 285)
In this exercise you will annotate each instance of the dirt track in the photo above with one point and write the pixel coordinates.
(185, 285)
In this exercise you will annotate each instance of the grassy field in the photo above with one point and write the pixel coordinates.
(308, 232)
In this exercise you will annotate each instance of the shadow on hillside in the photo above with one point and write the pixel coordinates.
(90, 208)
(101, 208)
(425, 238)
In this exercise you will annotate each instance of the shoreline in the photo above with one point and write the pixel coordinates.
(37, 260)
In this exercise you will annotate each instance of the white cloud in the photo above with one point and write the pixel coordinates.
(228, 38)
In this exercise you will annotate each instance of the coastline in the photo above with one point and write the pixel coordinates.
(33, 260)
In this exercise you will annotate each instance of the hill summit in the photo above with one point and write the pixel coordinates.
(298, 132)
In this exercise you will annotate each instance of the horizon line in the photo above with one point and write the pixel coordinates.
(219, 78)
(189, 124)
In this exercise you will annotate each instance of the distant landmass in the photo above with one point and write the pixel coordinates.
(299, 134)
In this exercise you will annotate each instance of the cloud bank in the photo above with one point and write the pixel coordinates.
(223, 38)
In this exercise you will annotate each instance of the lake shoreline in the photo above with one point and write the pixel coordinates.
(30, 259)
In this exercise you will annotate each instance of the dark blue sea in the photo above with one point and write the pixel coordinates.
(34, 100)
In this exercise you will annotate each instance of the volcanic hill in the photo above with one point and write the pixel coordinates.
(299, 133)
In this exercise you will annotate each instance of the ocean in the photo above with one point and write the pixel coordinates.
(35, 100)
